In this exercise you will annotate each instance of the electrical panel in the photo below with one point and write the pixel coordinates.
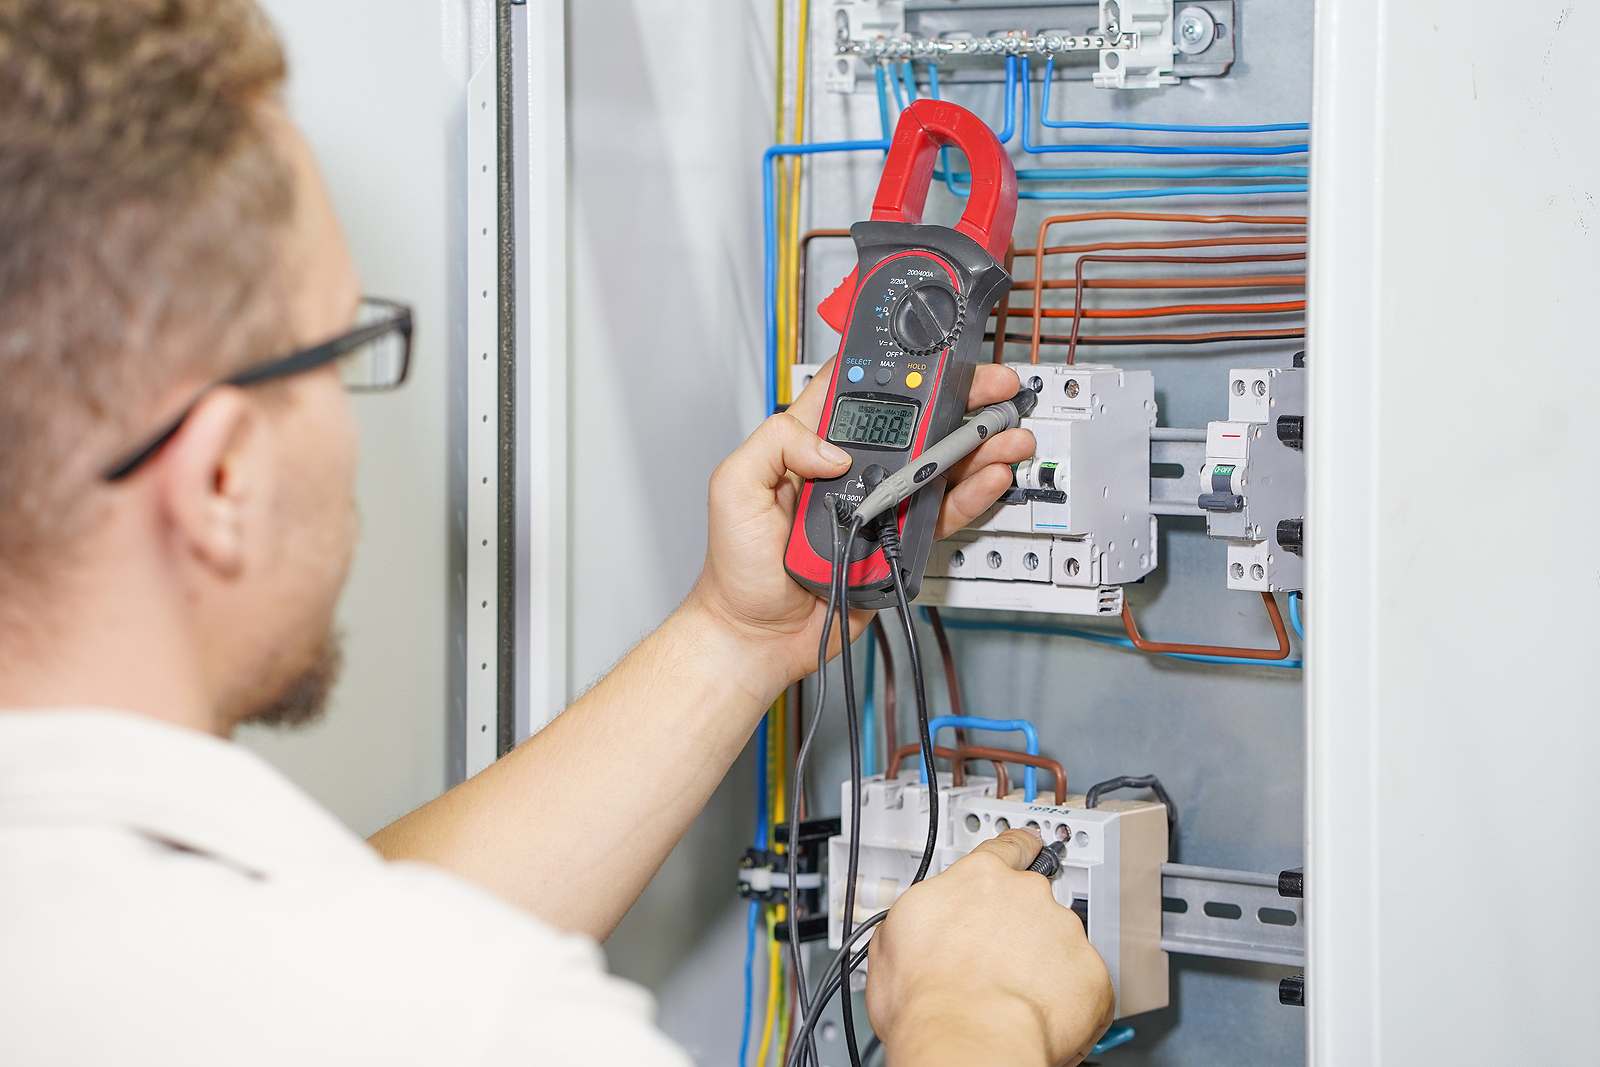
(1157, 310)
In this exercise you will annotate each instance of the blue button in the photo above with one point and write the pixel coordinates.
(855, 374)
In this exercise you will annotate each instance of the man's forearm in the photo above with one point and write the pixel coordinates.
(574, 823)
(967, 1030)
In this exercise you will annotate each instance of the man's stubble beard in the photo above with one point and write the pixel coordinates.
(305, 697)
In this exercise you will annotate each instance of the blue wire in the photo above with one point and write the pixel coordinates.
(1117, 1035)
(1154, 150)
(1030, 784)
(1294, 615)
(1011, 101)
(869, 718)
(899, 92)
(1093, 173)
(883, 103)
(749, 980)
(770, 233)
(944, 153)
(750, 921)
(908, 78)
(1044, 120)
(1106, 639)
(1177, 190)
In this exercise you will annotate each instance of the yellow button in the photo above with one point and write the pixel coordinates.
(913, 379)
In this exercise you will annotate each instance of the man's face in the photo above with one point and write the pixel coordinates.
(307, 528)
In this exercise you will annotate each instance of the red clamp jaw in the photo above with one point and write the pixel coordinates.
(925, 127)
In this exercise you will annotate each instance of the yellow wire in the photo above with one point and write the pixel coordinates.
(776, 756)
(790, 292)
(774, 982)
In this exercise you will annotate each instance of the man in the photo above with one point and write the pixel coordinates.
(176, 520)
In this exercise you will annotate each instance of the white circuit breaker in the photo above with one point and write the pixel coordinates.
(1111, 869)
(1253, 483)
(1079, 523)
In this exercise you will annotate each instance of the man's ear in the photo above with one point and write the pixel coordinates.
(204, 480)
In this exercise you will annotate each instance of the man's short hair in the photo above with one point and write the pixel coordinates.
(142, 208)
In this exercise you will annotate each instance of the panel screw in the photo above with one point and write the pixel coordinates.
(1192, 30)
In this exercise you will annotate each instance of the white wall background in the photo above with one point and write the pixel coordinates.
(666, 344)
(666, 141)
(1455, 684)
(378, 89)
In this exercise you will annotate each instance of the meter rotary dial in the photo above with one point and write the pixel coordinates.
(926, 318)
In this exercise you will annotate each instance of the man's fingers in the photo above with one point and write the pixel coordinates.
(972, 497)
(1015, 848)
(779, 445)
(992, 383)
(807, 407)
(1012, 446)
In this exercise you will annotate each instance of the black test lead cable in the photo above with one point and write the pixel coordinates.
(797, 959)
(885, 492)
(847, 669)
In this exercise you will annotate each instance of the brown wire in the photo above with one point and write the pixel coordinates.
(993, 755)
(1129, 216)
(1077, 307)
(1193, 242)
(891, 728)
(1169, 310)
(951, 677)
(802, 253)
(1266, 281)
(1281, 652)
(1004, 310)
(957, 767)
(1159, 338)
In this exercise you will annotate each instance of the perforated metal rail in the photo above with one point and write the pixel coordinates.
(1234, 915)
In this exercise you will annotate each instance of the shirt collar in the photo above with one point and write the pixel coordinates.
(94, 766)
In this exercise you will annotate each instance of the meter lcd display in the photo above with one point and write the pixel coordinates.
(872, 422)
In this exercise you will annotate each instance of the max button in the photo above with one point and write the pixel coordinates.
(884, 375)
(855, 374)
(913, 379)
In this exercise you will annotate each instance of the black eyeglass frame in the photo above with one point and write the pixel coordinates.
(306, 359)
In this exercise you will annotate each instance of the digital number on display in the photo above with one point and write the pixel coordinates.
(872, 422)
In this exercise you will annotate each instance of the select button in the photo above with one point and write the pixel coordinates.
(855, 374)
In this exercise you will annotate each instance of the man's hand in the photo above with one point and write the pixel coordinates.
(752, 505)
(981, 965)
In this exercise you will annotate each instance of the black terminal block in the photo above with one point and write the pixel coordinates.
(1221, 502)
(1291, 535)
(810, 845)
(1292, 883)
(1292, 431)
(1292, 991)
(1018, 495)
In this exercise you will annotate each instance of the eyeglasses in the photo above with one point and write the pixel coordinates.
(372, 357)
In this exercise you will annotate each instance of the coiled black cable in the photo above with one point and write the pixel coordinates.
(1148, 781)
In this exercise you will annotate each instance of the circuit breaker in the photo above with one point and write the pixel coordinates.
(1078, 522)
(1111, 868)
(1253, 483)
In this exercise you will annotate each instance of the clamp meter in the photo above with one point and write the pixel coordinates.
(912, 317)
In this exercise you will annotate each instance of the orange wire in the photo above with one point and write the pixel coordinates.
(1281, 652)
(1133, 216)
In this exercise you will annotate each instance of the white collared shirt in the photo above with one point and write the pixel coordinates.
(167, 897)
